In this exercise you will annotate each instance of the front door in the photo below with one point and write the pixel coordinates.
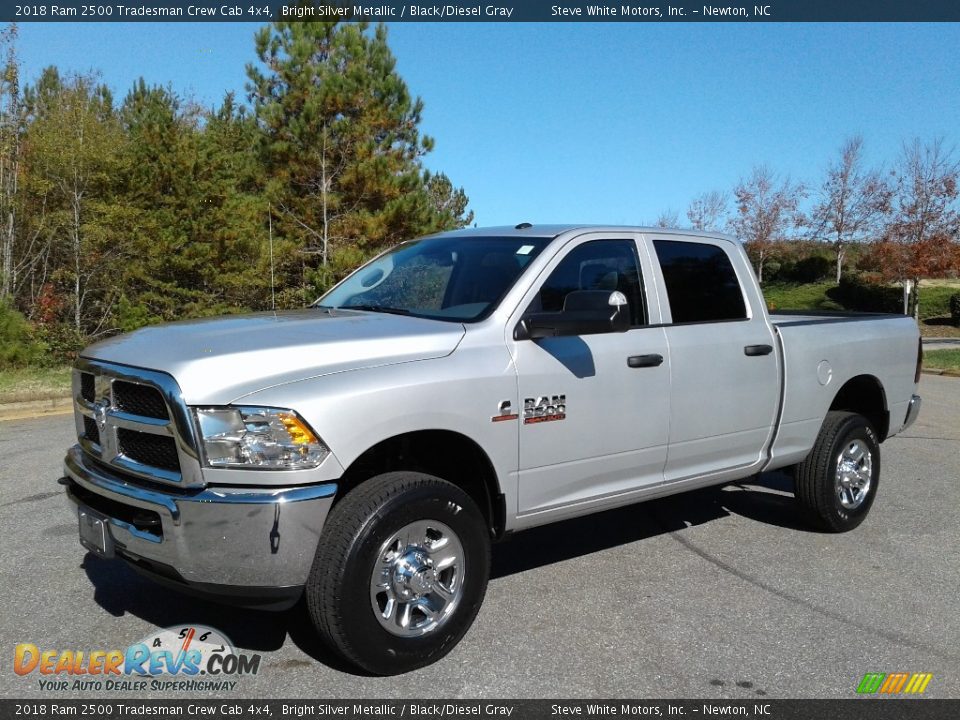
(593, 408)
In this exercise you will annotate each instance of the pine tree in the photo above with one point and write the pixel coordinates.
(341, 141)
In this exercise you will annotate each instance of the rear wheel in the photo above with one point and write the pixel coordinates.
(400, 572)
(837, 483)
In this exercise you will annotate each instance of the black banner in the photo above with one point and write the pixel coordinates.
(852, 709)
(468, 11)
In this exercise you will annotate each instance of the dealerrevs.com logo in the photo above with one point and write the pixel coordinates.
(187, 658)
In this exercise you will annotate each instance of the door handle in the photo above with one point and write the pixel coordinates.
(754, 350)
(640, 361)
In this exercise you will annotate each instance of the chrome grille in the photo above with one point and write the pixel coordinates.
(136, 422)
(153, 450)
(91, 431)
(88, 389)
(139, 400)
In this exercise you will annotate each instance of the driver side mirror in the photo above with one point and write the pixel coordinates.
(585, 312)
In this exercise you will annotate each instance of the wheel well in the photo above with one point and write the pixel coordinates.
(443, 453)
(864, 395)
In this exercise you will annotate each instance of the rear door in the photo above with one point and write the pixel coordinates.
(593, 408)
(725, 385)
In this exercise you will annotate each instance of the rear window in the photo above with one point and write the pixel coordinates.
(702, 285)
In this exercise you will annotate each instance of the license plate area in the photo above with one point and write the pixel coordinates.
(95, 532)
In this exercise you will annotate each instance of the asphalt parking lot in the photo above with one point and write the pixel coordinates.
(718, 593)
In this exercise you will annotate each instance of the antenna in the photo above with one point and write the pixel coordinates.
(523, 226)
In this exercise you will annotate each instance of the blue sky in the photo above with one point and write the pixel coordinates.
(588, 122)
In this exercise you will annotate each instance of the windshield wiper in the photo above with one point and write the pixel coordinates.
(376, 308)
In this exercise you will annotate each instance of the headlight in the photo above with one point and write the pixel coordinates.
(259, 438)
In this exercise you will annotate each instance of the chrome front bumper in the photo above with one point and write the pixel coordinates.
(246, 544)
(913, 409)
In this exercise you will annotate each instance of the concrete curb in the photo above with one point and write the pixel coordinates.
(36, 408)
(944, 373)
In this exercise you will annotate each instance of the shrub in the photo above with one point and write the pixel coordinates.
(812, 269)
(18, 345)
(955, 308)
(62, 343)
(856, 293)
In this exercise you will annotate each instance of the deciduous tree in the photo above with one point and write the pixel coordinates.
(852, 202)
(708, 211)
(921, 238)
(767, 210)
(74, 141)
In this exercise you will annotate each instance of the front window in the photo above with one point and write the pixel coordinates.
(446, 278)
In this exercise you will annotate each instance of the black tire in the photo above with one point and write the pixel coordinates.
(338, 590)
(816, 478)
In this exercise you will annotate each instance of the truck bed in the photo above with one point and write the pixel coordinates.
(821, 351)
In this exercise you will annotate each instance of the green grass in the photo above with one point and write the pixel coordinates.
(942, 359)
(22, 384)
(789, 296)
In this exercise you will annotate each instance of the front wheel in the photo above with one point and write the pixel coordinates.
(837, 483)
(400, 572)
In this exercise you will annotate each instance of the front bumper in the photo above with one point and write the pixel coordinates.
(253, 546)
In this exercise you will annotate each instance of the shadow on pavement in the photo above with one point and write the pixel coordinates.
(568, 539)
(120, 590)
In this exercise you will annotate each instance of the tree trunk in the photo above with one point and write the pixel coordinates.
(325, 191)
(76, 263)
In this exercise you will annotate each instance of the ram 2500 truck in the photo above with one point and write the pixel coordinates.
(365, 452)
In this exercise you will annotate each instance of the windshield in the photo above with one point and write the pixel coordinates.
(446, 278)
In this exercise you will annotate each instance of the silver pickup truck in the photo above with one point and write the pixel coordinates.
(366, 451)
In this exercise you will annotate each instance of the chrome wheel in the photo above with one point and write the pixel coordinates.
(418, 578)
(854, 474)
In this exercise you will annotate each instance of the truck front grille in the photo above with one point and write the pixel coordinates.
(88, 387)
(91, 430)
(152, 450)
(134, 422)
(140, 400)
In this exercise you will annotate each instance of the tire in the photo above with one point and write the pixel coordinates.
(837, 483)
(407, 536)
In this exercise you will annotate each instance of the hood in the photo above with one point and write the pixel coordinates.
(217, 360)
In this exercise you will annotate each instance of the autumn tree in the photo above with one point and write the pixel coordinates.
(708, 211)
(921, 238)
(852, 202)
(767, 210)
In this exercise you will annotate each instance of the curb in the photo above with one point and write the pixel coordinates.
(36, 408)
(942, 373)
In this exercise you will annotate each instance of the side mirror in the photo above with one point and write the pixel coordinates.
(585, 312)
